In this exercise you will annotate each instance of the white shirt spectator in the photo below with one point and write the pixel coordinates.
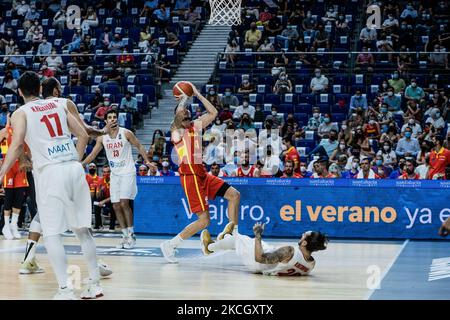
(250, 110)
(271, 165)
(368, 34)
(390, 22)
(319, 83)
(416, 129)
(388, 158)
(437, 123)
(422, 171)
(54, 62)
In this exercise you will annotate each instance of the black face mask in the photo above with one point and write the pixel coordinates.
(92, 171)
(269, 152)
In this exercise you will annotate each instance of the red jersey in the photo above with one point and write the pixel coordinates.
(405, 176)
(15, 177)
(92, 182)
(245, 173)
(189, 150)
(103, 184)
(438, 162)
(295, 175)
(292, 154)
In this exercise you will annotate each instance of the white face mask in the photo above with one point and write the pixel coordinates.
(355, 165)
(302, 169)
(411, 121)
(165, 164)
(344, 127)
(342, 146)
(316, 115)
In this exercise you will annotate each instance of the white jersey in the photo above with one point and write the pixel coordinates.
(297, 266)
(48, 135)
(119, 153)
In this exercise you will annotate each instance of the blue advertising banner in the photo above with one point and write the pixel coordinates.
(344, 208)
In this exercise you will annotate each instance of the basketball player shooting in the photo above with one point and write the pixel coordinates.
(260, 257)
(117, 145)
(198, 185)
(62, 194)
(51, 88)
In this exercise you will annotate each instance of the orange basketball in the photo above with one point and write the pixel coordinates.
(182, 87)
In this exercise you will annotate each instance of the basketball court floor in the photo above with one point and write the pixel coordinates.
(348, 269)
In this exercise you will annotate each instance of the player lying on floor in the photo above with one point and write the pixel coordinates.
(260, 257)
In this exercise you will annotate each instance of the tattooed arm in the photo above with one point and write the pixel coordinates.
(283, 254)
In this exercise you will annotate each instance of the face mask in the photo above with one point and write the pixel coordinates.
(92, 171)
(212, 92)
(384, 110)
(411, 121)
(318, 74)
(165, 164)
(355, 165)
(409, 7)
(413, 84)
(386, 148)
(283, 78)
(438, 115)
(372, 122)
(342, 146)
(236, 160)
(245, 104)
(316, 115)
(302, 169)
(227, 94)
(274, 113)
(408, 135)
(326, 120)
(379, 162)
(390, 93)
(106, 103)
(344, 127)
(385, 85)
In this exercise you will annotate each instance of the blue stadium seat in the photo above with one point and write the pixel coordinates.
(307, 98)
(306, 143)
(302, 117)
(150, 91)
(303, 108)
(272, 99)
(286, 108)
(78, 90)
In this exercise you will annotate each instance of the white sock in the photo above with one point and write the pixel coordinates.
(89, 251)
(227, 243)
(130, 230)
(57, 257)
(7, 223)
(125, 232)
(176, 241)
(14, 219)
(30, 250)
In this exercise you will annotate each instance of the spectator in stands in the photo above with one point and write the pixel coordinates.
(3, 112)
(283, 84)
(380, 168)
(271, 161)
(409, 13)
(105, 39)
(44, 49)
(439, 159)
(385, 45)
(353, 171)
(372, 129)
(218, 126)
(391, 135)
(244, 108)
(413, 91)
(388, 155)
(277, 119)
(368, 36)
(357, 101)
(289, 170)
(231, 48)
(266, 46)
(273, 27)
(365, 60)
(290, 153)
(102, 110)
(54, 62)
(45, 72)
(326, 126)
(31, 15)
(345, 133)
(331, 15)
(143, 171)
(172, 40)
(408, 146)
(423, 168)
(398, 171)
(342, 28)
(265, 16)
(327, 145)
(397, 83)
(229, 98)
(436, 119)
(74, 75)
(319, 84)
(384, 117)
(17, 59)
(321, 39)
(438, 101)
(280, 63)
(425, 148)
(361, 140)
(246, 122)
(9, 84)
(366, 172)
(390, 23)
(226, 115)
(59, 20)
(190, 18)
(96, 102)
(145, 36)
(415, 127)
(161, 16)
(166, 170)
(10, 48)
(213, 97)
(289, 36)
(76, 42)
(90, 21)
(116, 45)
(216, 171)
(246, 86)
(413, 110)
(309, 25)
(392, 101)
(35, 28)
(439, 57)
(315, 121)
(252, 37)
(259, 114)
(125, 60)
(114, 76)
(129, 104)
(22, 8)
(409, 172)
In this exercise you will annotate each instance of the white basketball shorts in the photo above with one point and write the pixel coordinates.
(63, 198)
(123, 187)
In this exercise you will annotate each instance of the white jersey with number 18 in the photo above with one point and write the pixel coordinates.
(119, 153)
(48, 135)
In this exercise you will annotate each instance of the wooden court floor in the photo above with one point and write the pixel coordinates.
(341, 272)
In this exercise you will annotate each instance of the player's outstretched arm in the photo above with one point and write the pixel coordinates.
(206, 119)
(445, 228)
(97, 148)
(135, 142)
(19, 126)
(79, 132)
(283, 254)
(91, 131)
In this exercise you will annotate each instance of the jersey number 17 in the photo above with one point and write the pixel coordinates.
(46, 120)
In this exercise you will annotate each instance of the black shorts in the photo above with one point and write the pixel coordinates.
(222, 190)
(14, 198)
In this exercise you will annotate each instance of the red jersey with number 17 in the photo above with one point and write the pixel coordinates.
(189, 150)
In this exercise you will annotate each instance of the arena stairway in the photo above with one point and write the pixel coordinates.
(197, 67)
